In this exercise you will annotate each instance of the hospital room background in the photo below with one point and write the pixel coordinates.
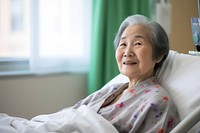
(27, 94)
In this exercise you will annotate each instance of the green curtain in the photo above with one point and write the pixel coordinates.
(107, 17)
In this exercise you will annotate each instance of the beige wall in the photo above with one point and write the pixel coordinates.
(181, 37)
(28, 96)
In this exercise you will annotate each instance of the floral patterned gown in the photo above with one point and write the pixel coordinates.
(146, 108)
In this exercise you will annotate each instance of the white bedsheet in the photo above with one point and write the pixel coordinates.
(82, 120)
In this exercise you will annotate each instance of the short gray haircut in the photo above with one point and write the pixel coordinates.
(158, 36)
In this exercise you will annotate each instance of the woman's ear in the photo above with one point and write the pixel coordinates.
(159, 59)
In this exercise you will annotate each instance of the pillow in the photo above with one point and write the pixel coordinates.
(180, 75)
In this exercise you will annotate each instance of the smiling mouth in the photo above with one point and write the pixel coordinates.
(129, 63)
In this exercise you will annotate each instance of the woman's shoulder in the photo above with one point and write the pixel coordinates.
(153, 85)
(155, 92)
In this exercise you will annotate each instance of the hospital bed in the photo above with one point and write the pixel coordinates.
(180, 75)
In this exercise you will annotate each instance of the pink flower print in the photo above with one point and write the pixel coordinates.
(131, 90)
(147, 91)
(141, 86)
(120, 105)
(154, 81)
(165, 98)
(170, 123)
(160, 130)
(157, 86)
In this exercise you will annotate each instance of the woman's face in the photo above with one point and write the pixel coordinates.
(134, 53)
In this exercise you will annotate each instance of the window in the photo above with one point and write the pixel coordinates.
(14, 29)
(44, 35)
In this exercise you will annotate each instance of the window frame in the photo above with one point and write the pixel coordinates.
(14, 66)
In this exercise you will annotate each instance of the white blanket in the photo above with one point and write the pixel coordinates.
(82, 120)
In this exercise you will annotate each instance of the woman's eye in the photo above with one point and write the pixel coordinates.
(122, 44)
(137, 43)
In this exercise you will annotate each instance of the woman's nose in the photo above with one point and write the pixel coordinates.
(128, 52)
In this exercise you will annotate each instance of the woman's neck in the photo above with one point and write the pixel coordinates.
(136, 80)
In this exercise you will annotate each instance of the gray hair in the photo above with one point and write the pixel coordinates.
(158, 36)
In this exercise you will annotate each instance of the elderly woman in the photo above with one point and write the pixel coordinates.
(141, 105)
